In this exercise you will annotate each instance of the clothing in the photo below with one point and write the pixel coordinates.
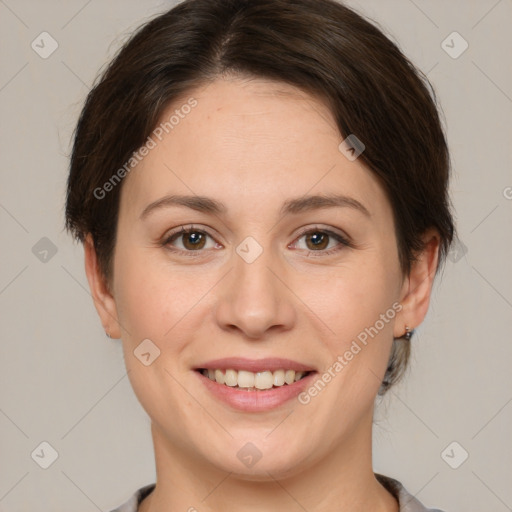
(407, 502)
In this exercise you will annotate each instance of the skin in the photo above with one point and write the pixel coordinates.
(252, 144)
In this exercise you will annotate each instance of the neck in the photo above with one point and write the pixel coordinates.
(342, 481)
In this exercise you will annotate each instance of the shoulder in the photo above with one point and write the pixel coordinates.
(133, 503)
(407, 502)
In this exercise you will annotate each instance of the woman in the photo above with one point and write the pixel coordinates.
(261, 188)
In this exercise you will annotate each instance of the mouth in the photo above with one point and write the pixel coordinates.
(254, 385)
(246, 380)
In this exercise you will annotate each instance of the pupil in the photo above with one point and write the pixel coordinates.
(318, 239)
(193, 239)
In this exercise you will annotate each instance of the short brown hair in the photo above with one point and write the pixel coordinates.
(320, 46)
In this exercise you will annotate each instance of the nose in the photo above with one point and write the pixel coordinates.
(255, 298)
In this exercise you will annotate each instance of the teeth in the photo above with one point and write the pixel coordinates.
(263, 380)
(231, 378)
(245, 379)
(279, 378)
(218, 376)
(250, 380)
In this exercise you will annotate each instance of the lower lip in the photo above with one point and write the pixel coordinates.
(256, 401)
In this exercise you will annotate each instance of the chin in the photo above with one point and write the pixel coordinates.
(249, 462)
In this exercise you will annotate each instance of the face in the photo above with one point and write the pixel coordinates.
(250, 266)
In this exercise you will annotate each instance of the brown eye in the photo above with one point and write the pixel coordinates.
(317, 240)
(189, 240)
(321, 241)
(193, 240)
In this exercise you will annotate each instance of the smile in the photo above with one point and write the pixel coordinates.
(253, 381)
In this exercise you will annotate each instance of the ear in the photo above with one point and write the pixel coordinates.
(103, 299)
(417, 286)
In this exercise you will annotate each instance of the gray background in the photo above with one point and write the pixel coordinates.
(62, 381)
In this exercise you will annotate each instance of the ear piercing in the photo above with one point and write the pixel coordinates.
(408, 333)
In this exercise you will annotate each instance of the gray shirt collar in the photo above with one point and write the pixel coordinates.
(407, 502)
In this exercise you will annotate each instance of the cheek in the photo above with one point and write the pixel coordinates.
(149, 306)
(359, 309)
(148, 302)
(352, 297)
(357, 304)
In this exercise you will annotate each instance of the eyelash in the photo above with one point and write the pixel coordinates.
(306, 231)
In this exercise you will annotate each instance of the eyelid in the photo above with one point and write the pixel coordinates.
(186, 228)
(323, 229)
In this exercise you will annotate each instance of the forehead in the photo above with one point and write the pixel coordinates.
(242, 140)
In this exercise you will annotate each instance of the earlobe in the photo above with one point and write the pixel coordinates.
(103, 299)
(417, 287)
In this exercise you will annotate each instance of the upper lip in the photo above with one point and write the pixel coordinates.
(255, 365)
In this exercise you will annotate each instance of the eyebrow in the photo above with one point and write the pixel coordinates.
(291, 206)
